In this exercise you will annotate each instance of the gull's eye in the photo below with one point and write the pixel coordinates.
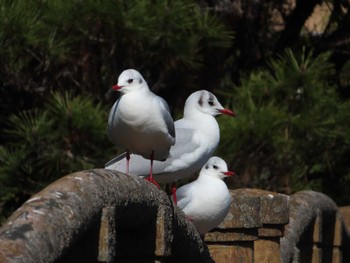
(215, 167)
(211, 102)
(130, 81)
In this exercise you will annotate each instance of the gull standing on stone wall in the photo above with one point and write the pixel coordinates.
(140, 121)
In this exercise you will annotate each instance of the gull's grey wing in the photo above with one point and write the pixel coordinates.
(111, 118)
(184, 143)
(140, 166)
(115, 160)
(167, 117)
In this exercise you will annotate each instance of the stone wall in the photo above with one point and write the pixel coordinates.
(100, 216)
(104, 216)
(252, 230)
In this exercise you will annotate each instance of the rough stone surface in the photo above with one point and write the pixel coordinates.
(312, 221)
(252, 229)
(104, 216)
(251, 208)
(64, 222)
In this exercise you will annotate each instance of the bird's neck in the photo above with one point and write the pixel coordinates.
(207, 125)
(136, 91)
(208, 179)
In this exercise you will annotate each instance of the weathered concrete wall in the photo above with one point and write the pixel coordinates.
(267, 227)
(316, 231)
(104, 216)
(100, 216)
(252, 230)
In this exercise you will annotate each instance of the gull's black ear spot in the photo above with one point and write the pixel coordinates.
(200, 101)
(207, 166)
(211, 100)
(140, 81)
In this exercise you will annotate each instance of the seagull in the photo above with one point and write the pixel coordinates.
(140, 121)
(206, 201)
(197, 136)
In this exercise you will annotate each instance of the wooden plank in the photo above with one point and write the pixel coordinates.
(337, 256)
(267, 251)
(316, 254)
(238, 252)
(107, 235)
(229, 235)
(317, 234)
(162, 239)
(345, 212)
(337, 239)
(271, 231)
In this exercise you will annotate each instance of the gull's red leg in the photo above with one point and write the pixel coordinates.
(150, 177)
(173, 192)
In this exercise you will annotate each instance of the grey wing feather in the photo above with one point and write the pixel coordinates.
(167, 117)
(184, 143)
(140, 165)
(111, 117)
(115, 160)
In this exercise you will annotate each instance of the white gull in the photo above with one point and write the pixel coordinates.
(140, 121)
(206, 201)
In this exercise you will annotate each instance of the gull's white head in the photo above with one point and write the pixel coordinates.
(217, 168)
(130, 80)
(205, 102)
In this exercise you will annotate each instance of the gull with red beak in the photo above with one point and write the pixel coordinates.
(140, 121)
(197, 136)
(206, 201)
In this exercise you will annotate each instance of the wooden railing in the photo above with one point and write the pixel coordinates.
(105, 216)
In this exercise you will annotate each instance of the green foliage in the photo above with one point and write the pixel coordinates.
(58, 58)
(68, 135)
(290, 133)
(80, 47)
(62, 43)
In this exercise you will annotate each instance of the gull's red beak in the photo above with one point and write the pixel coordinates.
(116, 87)
(229, 173)
(227, 112)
